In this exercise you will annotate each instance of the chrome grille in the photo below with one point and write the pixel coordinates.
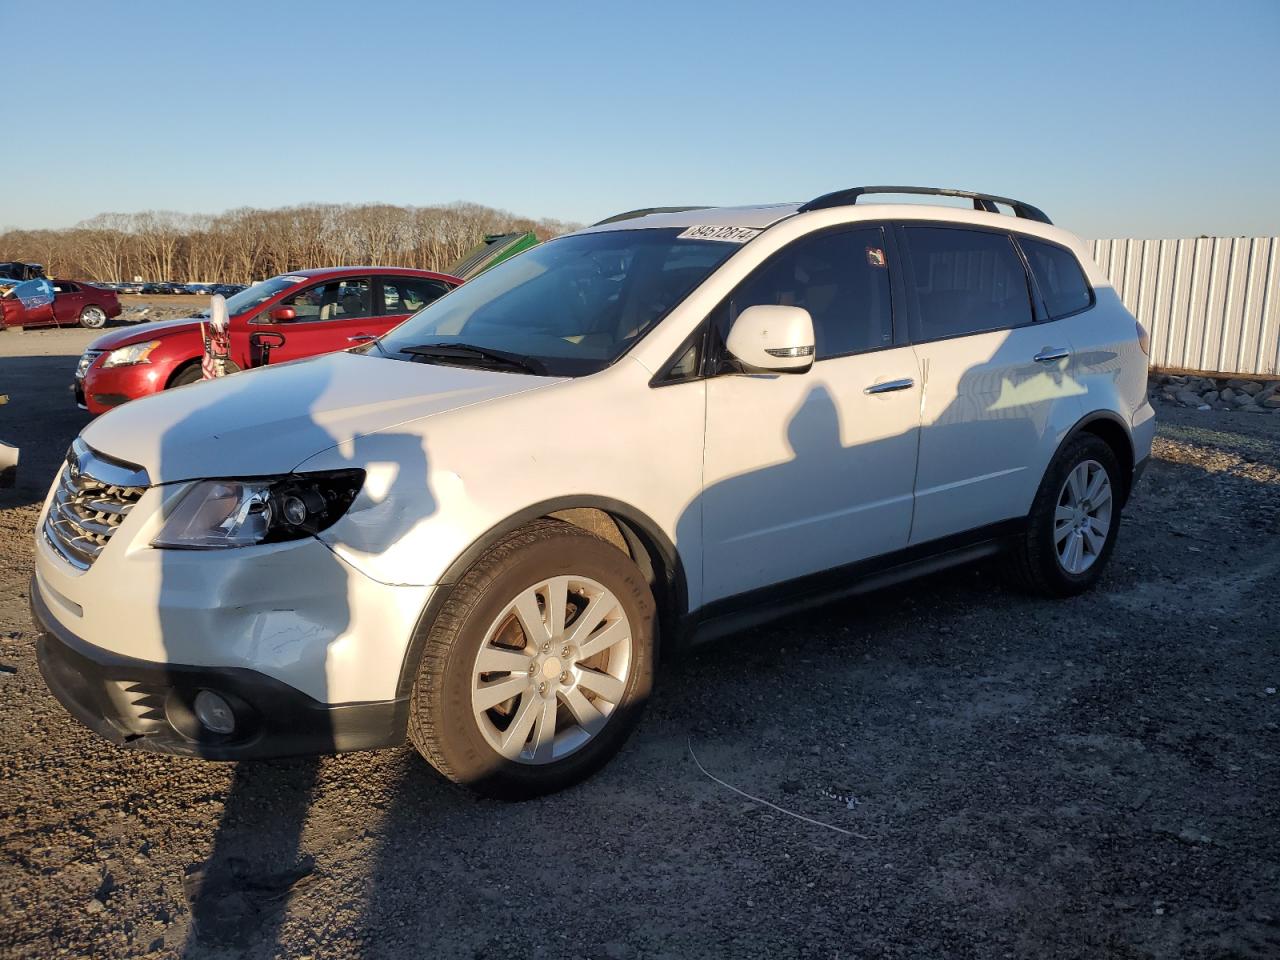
(86, 361)
(91, 499)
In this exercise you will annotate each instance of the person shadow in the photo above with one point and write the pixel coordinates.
(283, 610)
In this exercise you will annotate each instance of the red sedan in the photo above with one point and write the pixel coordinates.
(74, 302)
(285, 318)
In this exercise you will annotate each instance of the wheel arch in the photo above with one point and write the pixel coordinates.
(633, 532)
(1109, 427)
(178, 369)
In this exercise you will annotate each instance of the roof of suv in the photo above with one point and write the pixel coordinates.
(762, 216)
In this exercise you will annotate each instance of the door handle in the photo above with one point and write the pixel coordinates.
(889, 386)
(1051, 355)
(361, 338)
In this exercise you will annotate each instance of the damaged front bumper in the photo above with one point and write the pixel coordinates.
(150, 706)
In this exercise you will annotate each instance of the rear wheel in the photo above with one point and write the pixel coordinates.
(537, 666)
(93, 318)
(1074, 520)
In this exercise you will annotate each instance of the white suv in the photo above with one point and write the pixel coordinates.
(676, 422)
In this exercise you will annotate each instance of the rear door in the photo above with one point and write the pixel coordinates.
(332, 315)
(998, 392)
(68, 301)
(399, 298)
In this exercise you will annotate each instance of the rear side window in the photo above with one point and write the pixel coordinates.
(841, 278)
(1062, 283)
(965, 281)
(410, 294)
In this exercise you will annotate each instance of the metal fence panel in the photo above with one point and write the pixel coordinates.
(1210, 303)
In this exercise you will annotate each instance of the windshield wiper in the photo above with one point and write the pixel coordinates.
(466, 353)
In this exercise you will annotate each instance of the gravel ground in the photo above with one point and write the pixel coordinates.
(1019, 778)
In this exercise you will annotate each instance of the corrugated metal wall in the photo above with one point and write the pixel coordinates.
(1211, 304)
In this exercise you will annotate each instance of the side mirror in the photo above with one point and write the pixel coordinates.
(283, 314)
(772, 339)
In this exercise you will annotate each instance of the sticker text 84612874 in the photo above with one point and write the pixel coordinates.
(723, 234)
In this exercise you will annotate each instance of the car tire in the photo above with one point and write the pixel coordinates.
(188, 374)
(580, 695)
(93, 318)
(1071, 529)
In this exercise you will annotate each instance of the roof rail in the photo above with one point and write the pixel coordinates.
(645, 211)
(981, 201)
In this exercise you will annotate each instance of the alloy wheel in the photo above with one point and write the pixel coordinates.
(92, 317)
(1082, 518)
(552, 669)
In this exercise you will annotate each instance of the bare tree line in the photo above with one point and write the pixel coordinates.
(248, 244)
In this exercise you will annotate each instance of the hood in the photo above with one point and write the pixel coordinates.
(267, 421)
(142, 332)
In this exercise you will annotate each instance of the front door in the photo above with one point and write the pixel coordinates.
(805, 472)
(329, 316)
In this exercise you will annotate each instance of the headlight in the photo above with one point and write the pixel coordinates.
(239, 513)
(127, 356)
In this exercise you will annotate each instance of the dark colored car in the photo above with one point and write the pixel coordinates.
(285, 318)
(19, 270)
(74, 302)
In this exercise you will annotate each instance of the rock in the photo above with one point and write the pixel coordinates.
(1254, 408)
(1248, 386)
(1209, 397)
(1204, 406)
(1242, 399)
(1272, 402)
(1227, 394)
(1189, 398)
(94, 906)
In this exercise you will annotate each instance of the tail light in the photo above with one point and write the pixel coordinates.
(1144, 338)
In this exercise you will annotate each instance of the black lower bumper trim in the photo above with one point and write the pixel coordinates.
(149, 706)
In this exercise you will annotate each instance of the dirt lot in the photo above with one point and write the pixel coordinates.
(1093, 778)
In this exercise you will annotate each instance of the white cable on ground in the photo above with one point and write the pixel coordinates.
(743, 793)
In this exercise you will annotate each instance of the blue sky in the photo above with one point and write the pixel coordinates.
(1117, 118)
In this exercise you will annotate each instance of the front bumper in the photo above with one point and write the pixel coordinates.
(147, 705)
(100, 388)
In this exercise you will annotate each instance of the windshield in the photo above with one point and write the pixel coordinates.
(573, 305)
(259, 293)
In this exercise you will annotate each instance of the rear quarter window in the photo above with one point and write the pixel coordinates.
(1059, 277)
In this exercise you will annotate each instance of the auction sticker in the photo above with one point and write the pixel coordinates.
(723, 234)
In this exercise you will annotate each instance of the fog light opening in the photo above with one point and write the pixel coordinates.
(214, 713)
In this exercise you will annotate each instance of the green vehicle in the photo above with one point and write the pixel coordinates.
(495, 248)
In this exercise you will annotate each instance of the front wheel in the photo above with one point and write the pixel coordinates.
(1073, 523)
(538, 665)
(93, 318)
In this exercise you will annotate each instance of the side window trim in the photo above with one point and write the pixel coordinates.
(915, 321)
